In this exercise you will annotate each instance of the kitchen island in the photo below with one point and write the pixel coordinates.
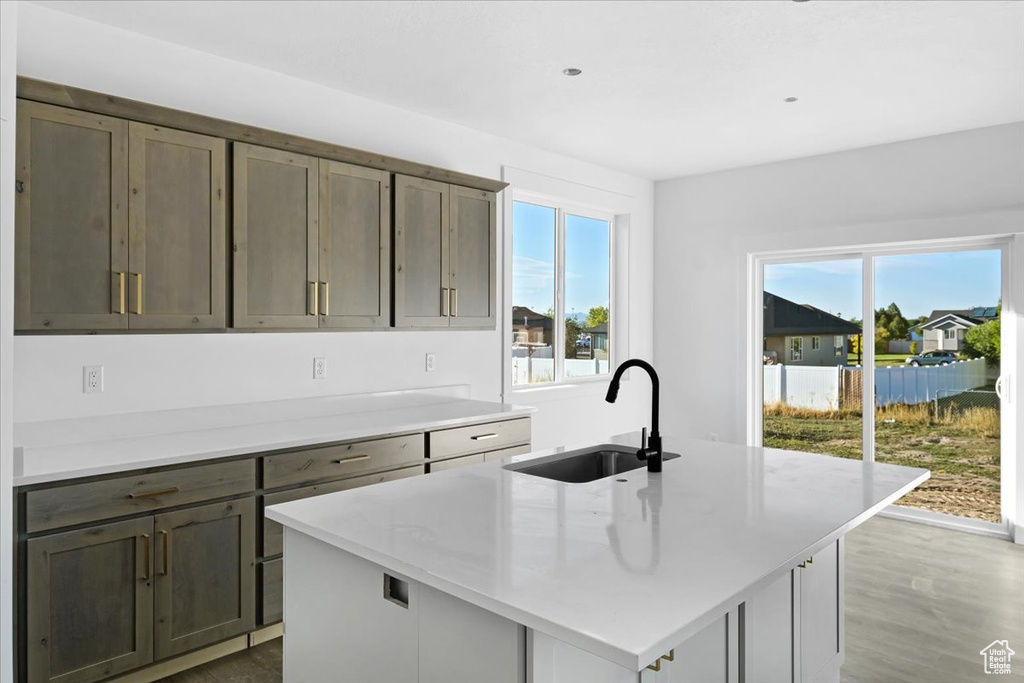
(728, 561)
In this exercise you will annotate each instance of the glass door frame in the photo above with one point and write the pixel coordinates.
(1011, 248)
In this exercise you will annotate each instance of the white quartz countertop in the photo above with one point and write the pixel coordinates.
(65, 449)
(625, 567)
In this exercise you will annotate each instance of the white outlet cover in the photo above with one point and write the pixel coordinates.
(320, 368)
(431, 362)
(92, 379)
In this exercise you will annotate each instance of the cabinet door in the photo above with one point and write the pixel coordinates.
(90, 602)
(71, 231)
(275, 239)
(355, 246)
(473, 236)
(820, 613)
(768, 633)
(176, 224)
(205, 575)
(422, 223)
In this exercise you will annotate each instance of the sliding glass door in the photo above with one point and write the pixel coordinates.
(916, 386)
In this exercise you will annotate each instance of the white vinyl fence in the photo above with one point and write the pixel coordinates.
(819, 388)
(543, 369)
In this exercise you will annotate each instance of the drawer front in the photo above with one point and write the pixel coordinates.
(507, 452)
(343, 460)
(273, 533)
(272, 591)
(453, 463)
(449, 443)
(79, 503)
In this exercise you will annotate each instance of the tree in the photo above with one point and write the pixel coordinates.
(882, 338)
(984, 341)
(596, 316)
(892, 321)
(913, 348)
(572, 334)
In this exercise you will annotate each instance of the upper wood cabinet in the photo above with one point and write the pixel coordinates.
(119, 225)
(312, 242)
(355, 246)
(71, 220)
(176, 229)
(444, 255)
(275, 239)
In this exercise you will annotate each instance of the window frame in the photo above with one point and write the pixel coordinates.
(815, 343)
(563, 208)
(793, 350)
(838, 345)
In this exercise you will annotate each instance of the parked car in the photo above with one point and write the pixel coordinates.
(932, 358)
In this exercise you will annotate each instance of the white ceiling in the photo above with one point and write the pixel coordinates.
(668, 88)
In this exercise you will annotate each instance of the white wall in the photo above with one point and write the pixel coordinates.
(8, 47)
(958, 185)
(169, 371)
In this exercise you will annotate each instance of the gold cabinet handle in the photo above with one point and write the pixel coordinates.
(326, 298)
(312, 298)
(810, 560)
(670, 657)
(482, 437)
(353, 458)
(445, 302)
(455, 304)
(166, 549)
(138, 293)
(118, 302)
(146, 556)
(153, 494)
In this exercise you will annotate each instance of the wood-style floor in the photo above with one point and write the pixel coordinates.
(921, 603)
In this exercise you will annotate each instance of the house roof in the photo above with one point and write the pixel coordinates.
(963, 320)
(601, 328)
(526, 317)
(975, 316)
(785, 317)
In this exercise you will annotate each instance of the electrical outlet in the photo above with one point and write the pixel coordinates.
(713, 436)
(319, 368)
(431, 362)
(92, 379)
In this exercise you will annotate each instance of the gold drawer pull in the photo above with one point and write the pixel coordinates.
(354, 458)
(312, 298)
(656, 666)
(138, 293)
(446, 302)
(153, 494)
(118, 306)
(455, 303)
(810, 560)
(671, 656)
(481, 437)
(326, 298)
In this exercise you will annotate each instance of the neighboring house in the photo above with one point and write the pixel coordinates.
(945, 330)
(800, 334)
(599, 340)
(530, 328)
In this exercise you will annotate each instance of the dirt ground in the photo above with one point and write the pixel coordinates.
(962, 456)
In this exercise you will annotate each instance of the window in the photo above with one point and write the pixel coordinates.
(815, 343)
(839, 345)
(950, 334)
(561, 271)
(796, 348)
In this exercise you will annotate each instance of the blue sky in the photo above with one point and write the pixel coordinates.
(918, 283)
(533, 259)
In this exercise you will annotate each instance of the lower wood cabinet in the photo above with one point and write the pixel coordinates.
(113, 597)
(90, 602)
(205, 575)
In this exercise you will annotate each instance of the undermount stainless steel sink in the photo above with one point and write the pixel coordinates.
(586, 464)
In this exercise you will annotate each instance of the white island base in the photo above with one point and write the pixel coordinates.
(350, 620)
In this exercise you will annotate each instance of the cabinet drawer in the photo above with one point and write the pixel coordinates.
(491, 436)
(272, 590)
(273, 533)
(343, 460)
(79, 503)
(452, 463)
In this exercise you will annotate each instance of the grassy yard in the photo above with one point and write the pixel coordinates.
(961, 449)
(882, 359)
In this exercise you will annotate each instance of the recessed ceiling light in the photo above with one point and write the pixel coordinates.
(790, 99)
(572, 71)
